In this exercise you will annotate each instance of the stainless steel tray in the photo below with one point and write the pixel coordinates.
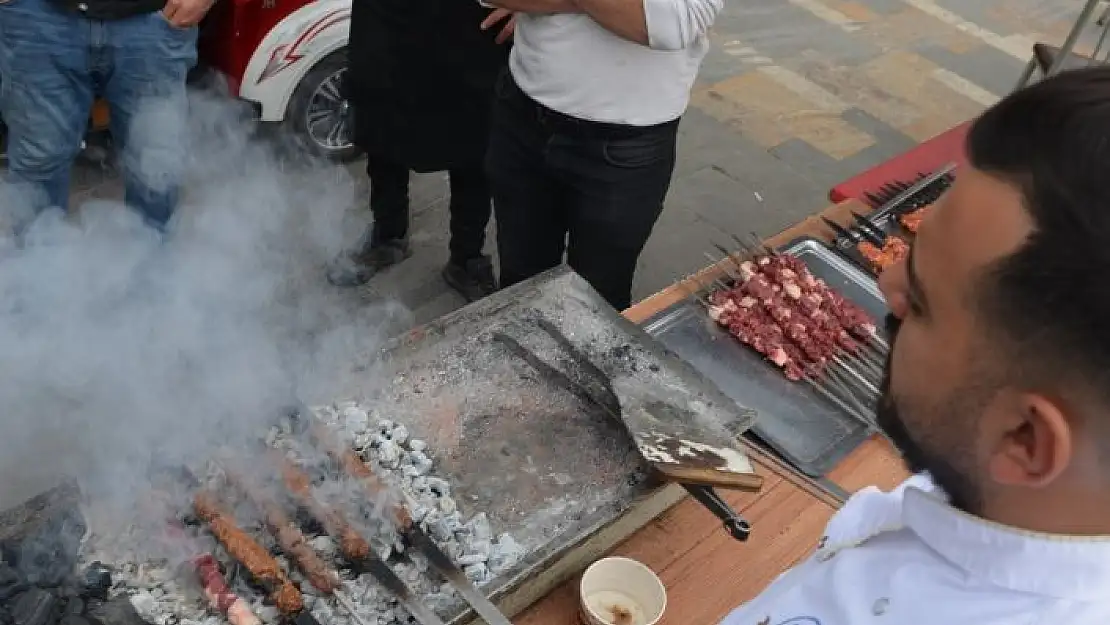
(796, 422)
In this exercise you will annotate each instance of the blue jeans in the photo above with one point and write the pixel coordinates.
(53, 63)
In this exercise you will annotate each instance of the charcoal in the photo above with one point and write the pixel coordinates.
(10, 582)
(97, 581)
(74, 606)
(118, 611)
(41, 537)
(5, 616)
(74, 619)
(304, 617)
(34, 607)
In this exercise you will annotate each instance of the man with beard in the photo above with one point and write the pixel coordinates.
(997, 394)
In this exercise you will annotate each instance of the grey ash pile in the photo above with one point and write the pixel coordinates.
(406, 461)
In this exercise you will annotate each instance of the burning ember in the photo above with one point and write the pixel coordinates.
(306, 529)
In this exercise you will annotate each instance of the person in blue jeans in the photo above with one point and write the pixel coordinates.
(57, 56)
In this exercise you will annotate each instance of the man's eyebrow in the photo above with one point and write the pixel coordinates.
(913, 282)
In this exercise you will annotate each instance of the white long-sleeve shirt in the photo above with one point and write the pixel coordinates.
(571, 64)
(908, 558)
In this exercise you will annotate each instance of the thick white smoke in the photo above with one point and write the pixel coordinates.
(118, 349)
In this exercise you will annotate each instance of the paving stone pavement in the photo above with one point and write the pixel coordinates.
(794, 97)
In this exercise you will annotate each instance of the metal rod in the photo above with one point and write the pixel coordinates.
(345, 603)
(1073, 36)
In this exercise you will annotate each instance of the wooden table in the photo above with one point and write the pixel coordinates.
(707, 573)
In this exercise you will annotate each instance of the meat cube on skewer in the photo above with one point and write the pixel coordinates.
(911, 221)
(894, 250)
(779, 309)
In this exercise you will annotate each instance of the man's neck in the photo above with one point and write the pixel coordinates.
(1071, 512)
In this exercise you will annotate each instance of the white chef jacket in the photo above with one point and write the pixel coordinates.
(908, 558)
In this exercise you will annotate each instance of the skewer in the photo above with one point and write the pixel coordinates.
(858, 364)
(354, 548)
(212, 583)
(855, 374)
(759, 244)
(832, 397)
(245, 550)
(293, 542)
(848, 372)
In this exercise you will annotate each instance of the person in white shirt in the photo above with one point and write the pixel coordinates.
(583, 138)
(997, 394)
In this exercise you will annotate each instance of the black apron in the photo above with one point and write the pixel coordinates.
(421, 78)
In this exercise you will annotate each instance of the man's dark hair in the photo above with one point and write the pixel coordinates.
(1049, 302)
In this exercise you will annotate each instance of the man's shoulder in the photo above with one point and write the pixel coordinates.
(872, 511)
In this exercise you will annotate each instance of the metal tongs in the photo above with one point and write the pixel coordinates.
(603, 396)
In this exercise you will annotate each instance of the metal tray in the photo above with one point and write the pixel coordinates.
(793, 420)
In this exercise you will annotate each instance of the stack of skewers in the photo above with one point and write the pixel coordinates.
(283, 485)
(878, 249)
(213, 509)
(813, 334)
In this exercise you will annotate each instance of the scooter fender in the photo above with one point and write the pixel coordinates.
(290, 50)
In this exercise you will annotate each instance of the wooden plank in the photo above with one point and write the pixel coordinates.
(660, 544)
(874, 463)
(721, 573)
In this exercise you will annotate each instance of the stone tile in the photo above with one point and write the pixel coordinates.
(1038, 18)
(907, 77)
(706, 142)
(889, 141)
(826, 172)
(767, 110)
(881, 7)
(855, 10)
(986, 67)
(779, 30)
(702, 208)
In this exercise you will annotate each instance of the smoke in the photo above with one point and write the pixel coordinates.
(121, 352)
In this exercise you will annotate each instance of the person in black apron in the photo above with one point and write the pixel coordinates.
(420, 82)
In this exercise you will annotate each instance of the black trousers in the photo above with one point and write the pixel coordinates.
(562, 185)
(469, 205)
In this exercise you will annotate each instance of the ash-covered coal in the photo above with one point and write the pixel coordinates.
(409, 464)
(40, 580)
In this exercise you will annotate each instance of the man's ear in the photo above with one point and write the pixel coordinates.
(1032, 440)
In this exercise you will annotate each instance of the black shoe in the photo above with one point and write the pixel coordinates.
(473, 279)
(356, 268)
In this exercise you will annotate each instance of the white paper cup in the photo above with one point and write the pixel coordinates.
(620, 591)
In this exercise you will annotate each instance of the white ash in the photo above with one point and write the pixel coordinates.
(408, 463)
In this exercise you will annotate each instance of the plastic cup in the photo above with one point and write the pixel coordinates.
(621, 591)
